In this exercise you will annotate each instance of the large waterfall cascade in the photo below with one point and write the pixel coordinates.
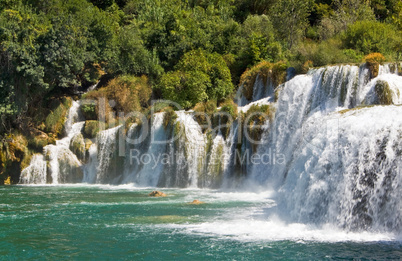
(332, 152)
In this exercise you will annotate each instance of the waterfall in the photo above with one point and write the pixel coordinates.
(347, 170)
(90, 169)
(195, 145)
(63, 165)
(109, 166)
(35, 173)
(143, 160)
(342, 162)
(332, 150)
(260, 90)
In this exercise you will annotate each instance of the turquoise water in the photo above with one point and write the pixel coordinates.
(123, 223)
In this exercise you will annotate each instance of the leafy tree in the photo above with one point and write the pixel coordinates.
(371, 36)
(102, 4)
(132, 57)
(64, 53)
(199, 76)
(396, 16)
(290, 18)
(346, 13)
(21, 73)
(260, 43)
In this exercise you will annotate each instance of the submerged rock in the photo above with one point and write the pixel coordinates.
(156, 193)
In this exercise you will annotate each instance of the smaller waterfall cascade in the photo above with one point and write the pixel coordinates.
(143, 159)
(108, 160)
(260, 90)
(194, 147)
(35, 173)
(63, 164)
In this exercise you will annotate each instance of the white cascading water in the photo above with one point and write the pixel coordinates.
(35, 173)
(64, 166)
(143, 162)
(195, 146)
(342, 165)
(91, 168)
(107, 149)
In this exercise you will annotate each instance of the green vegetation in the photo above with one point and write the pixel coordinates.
(14, 156)
(121, 96)
(253, 121)
(266, 70)
(373, 62)
(371, 36)
(54, 122)
(203, 114)
(92, 128)
(169, 117)
(199, 76)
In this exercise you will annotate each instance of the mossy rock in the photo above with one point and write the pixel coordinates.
(38, 139)
(203, 113)
(77, 146)
(373, 61)
(254, 119)
(88, 144)
(265, 70)
(13, 155)
(383, 92)
(374, 69)
(67, 101)
(169, 118)
(178, 130)
(54, 122)
(279, 72)
(217, 164)
(92, 128)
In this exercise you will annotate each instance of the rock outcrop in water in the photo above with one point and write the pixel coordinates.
(157, 193)
(196, 202)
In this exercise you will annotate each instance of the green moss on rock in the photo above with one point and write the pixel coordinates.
(14, 156)
(77, 146)
(203, 114)
(169, 118)
(54, 122)
(383, 92)
(276, 72)
(92, 128)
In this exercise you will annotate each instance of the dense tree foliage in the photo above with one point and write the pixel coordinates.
(199, 76)
(190, 50)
